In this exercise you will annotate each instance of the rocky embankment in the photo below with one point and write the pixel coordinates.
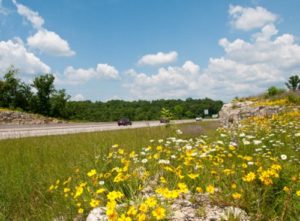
(18, 118)
(232, 113)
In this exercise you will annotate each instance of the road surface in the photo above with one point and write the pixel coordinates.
(17, 131)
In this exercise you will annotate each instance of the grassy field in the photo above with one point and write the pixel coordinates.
(29, 166)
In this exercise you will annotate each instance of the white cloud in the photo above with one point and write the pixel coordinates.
(33, 17)
(49, 42)
(246, 18)
(246, 68)
(171, 82)
(159, 58)
(78, 97)
(13, 52)
(77, 76)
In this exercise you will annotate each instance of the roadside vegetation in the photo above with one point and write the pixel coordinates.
(28, 166)
(42, 97)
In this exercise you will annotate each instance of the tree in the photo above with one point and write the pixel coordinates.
(44, 86)
(293, 83)
(58, 103)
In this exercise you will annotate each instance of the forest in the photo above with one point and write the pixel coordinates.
(42, 97)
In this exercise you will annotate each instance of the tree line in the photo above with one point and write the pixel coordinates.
(42, 97)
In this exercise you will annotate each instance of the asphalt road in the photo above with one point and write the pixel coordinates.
(18, 131)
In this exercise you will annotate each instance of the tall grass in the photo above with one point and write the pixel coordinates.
(29, 165)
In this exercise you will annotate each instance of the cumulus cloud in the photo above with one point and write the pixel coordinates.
(158, 59)
(51, 43)
(13, 52)
(246, 18)
(78, 97)
(246, 67)
(170, 82)
(77, 76)
(45, 41)
(33, 17)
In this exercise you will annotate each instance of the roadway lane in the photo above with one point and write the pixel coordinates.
(18, 131)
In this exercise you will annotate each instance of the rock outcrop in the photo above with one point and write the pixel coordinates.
(16, 117)
(232, 113)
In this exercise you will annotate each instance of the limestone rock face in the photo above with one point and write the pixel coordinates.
(16, 117)
(232, 113)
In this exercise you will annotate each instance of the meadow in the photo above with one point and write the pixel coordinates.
(28, 166)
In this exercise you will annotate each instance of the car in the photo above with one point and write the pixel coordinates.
(163, 120)
(124, 122)
(198, 118)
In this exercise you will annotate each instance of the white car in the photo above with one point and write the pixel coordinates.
(198, 118)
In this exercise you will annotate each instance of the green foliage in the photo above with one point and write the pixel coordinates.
(294, 98)
(166, 114)
(272, 91)
(293, 83)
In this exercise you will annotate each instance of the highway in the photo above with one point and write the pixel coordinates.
(18, 131)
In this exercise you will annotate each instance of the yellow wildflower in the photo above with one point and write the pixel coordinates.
(159, 213)
(94, 203)
(210, 189)
(249, 177)
(80, 210)
(236, 196)
(92, 173)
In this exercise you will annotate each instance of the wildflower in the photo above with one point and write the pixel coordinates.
(131, 211)
(143, 207)
(151, 202)
(193, 175)
(249, 177)
(100, 190)
(159, 213)
(297, 135)
(123, 217)
(236, 196)
(101, 182)
(210, 189)
(183, 188)
(199, 190)
(94, 203)
(113, 195)
(66, 190)
(178, 132)
(283, 156)
(233, 186)
(286, 189)
(92, 173)
(80, 210)
(141, 217)
(298, 193)
(144, 160)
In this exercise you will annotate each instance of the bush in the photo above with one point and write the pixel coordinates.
(294, 98)
(272, 91)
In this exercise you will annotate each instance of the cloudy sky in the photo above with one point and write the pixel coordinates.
(142, 49)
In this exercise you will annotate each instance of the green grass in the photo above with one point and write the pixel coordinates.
(29, 165)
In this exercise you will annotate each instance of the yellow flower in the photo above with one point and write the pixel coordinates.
(94, 203)
(100, 190)
(123, 217)
(210, 189)
(298, 193)
(113, 195)
(199, 190)
(236, 196)
(286, 189)
(233, 186)
(183, 188)
(131, 211)
(92, 173)
(80, 210)
(151, 202)
(249, 177)
(141, 217)
(66, 190)
(193, 175)
(143, 207)
(159, 213)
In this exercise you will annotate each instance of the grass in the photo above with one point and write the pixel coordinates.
(29, 165)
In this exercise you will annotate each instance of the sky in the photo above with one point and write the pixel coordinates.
(101, 50)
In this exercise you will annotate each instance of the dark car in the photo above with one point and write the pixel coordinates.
(124, 122)
(163, 120)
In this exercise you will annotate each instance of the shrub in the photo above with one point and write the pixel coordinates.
(272, 91)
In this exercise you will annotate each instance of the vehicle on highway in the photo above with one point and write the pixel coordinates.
(163, 120)
(124, 122)
(198, 118)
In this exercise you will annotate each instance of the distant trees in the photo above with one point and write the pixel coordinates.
(293, 83)
(46, 100)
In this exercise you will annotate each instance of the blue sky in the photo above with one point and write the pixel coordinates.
(127, 49)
